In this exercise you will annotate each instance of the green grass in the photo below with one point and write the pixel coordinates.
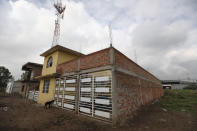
(179, 100)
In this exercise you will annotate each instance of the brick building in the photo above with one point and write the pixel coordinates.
(28, 82)
(104, 85)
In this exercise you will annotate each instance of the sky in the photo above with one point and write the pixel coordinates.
(159, 35)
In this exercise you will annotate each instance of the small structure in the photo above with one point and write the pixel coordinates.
(104, 85)
(32, 70)
(167, 86)
(14, 86)
(17, 87)
(175, 84)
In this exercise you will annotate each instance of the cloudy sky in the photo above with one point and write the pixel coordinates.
(163, 33)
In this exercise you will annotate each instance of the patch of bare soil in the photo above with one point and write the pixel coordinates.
(25, 115)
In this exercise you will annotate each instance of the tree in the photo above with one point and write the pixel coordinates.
(25, 76)
(5, 75)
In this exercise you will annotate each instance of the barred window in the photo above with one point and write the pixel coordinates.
(50, 62)
(46, 86)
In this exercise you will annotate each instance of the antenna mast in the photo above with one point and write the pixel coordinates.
(60, 15)
(110, 35)
(135, 54)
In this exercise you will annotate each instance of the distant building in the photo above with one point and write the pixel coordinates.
(175, 84)
(29, 83)
(14, 86)
(17, 87)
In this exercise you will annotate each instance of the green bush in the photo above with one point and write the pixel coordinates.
(179, 100)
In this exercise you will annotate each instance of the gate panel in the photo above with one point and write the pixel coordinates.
(103, 97)
(70, 92)
(56, 92)
(96, 95)
(85, 94)
(60, 92)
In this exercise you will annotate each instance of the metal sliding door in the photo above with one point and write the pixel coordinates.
(65, 92)
(56, 91)
(95, 98)
(59, 92)
(70, 92)
(85, 94)
(102, 97)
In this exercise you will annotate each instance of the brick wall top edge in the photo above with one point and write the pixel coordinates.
(117, 51)
(85, 56)
(142, 80)
(67, 63)
(95, 52)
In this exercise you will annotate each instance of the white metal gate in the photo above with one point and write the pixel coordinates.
(70, 92)
(65, 92)
(95, 98)
(85, 94)
(33, 95)
(59, 92)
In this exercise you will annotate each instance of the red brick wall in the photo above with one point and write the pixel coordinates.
(131, 95)
(70, 66)
(146, 91)
(97, 59)
(128, 93)
(37, 71)
(127, 64)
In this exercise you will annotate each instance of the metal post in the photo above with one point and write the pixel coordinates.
(92, 95)
(63, 94)
(141, 92)
(77, 94)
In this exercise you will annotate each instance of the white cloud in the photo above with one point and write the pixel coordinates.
(31, 31)
(163, 33)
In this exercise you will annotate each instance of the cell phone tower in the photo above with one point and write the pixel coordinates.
(60, 15)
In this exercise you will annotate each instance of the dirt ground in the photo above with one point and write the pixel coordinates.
(25, 115)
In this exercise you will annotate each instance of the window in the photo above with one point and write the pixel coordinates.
(46, 86)
(50, 62)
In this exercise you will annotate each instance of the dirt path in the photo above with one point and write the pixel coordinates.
(25, 115)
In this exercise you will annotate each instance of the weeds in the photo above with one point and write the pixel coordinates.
(180, 100)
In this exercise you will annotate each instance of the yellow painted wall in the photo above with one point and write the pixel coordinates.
(63, 57)
(44, 97)
(58, 58)
(50, 70)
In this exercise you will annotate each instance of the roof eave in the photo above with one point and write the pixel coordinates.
(60, 48)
